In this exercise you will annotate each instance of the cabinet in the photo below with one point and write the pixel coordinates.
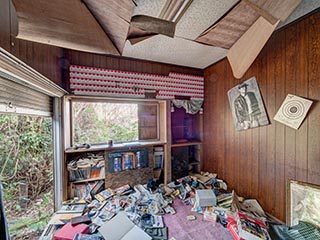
(113, 166)
(186, 142)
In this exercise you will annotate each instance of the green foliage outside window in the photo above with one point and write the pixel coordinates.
(26, 159)
(100, 122)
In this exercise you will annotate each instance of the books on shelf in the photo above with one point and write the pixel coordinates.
(86, 167)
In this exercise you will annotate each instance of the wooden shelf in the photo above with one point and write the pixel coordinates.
(185, 144)
(194, 163)
(88, 180)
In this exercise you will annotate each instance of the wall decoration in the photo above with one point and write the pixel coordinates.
(293, 111)
(115, 83)
(303, 200)
(246, 104)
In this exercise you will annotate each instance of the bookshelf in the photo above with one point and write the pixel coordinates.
(186, 142)
(140, 155)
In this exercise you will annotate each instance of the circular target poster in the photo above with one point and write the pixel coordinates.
(293, 111)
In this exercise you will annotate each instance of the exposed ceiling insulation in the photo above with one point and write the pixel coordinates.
(102, 26)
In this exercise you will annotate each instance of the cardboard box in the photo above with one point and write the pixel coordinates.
(121, 228)
(205, 198)
(67, 232)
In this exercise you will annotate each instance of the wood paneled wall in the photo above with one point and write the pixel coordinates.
(258, 162)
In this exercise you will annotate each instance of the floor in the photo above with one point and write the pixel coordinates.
(181, 228)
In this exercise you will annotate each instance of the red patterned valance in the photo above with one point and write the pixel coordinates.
(115, 83)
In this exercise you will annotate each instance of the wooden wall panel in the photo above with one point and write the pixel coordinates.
(126, 64)
(5, 24)
(314, 94)
(258, 162)
(41, 57)
(280, 183)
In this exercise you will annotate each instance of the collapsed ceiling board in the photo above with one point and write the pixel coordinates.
(170, 9)
(200, 16)
(273, 10)
(154, 25)
(242, 54)
(67, 24)
(136, 35)
(114, 19)
(177, 51)
(230, 28)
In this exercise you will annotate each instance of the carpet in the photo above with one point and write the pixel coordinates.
(181, 228)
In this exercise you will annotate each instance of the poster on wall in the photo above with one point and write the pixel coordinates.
(293, 111)
(246, 105)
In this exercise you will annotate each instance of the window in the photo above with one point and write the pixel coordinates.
(97, 121)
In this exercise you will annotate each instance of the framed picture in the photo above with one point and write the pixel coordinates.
(247, 106)
(303, 201)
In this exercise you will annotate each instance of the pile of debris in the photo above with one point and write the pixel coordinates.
(145, 205)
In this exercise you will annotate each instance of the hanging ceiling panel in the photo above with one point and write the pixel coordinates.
(67, 24)
(114, 19)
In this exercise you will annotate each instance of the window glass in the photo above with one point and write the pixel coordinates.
(98, 122)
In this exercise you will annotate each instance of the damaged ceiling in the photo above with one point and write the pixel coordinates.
(194, 33)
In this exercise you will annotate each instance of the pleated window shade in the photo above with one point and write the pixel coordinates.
(21, 99)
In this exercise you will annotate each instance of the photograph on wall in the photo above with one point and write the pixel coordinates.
(293, 111)
(247, 106)
(303, 201)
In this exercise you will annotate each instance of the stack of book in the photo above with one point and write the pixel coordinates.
(251, 228)
(86, 167)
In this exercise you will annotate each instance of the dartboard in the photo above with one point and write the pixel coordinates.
(293, 109)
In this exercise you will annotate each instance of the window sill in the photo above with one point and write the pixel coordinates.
(100, 147)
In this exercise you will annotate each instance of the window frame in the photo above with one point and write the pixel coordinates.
(68, 126)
